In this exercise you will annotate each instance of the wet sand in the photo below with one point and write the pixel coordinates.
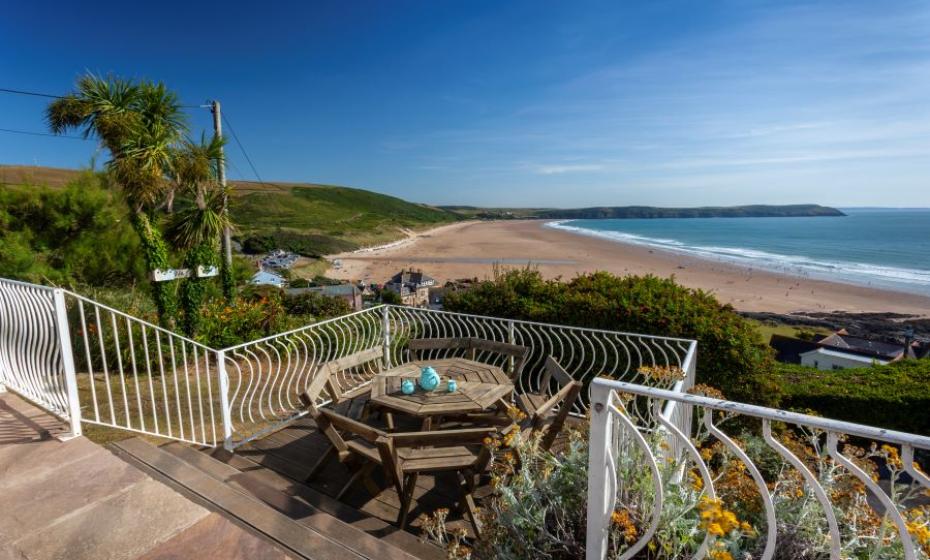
(477, 249)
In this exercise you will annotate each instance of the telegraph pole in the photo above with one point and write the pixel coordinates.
(221, 173)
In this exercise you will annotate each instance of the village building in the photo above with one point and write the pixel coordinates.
(348, 292)
(268, 278)
(841, 350)
(412, 286)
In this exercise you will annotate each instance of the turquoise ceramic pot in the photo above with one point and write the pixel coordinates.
(407, 387)
(429, 379)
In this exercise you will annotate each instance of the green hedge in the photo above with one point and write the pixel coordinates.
(896, 396)
(731, 356)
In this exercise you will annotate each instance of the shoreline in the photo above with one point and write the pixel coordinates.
(478, 248)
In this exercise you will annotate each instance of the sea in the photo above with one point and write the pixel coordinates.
(876, 247)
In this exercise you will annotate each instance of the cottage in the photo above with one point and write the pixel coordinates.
(349, 292)
(412, 286)
(268, 278)
(839, 351)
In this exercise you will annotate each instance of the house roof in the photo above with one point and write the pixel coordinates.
(264, 277)
(845, 355)
(863, 346)
(789, 349)
(414, 278)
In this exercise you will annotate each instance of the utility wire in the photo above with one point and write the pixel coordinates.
(52, 96)
(30, 133)
(32, 93)
(242, 148)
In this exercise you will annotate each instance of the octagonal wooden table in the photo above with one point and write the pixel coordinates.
(480, 387)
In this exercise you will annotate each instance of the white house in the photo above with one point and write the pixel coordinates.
(267, 278)
(825, 358)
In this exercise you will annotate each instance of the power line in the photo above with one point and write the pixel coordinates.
(53, 96)
(242, 148)
(32, 93)
(31, 133)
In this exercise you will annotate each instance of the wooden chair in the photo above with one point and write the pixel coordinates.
(326, 375)
(403, 456)
(355, 447)
(540, 407)
(406, 455)
(472, 346)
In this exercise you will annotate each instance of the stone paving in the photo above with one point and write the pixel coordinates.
(75, 500)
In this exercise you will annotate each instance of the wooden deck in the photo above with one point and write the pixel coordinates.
(293, 450)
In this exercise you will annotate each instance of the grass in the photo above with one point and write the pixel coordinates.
(310, 268)
(766, 330)
(333, 218)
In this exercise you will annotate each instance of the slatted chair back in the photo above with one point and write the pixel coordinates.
(330, 423)
(472, 347)
(515, 351)
(542, 415)
(436, 452)
(327, 374)
(418, 347)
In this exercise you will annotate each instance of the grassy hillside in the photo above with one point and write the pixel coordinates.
(326, 218)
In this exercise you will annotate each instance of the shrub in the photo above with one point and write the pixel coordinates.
(894, 396)
(305, 244)
(56, 235)
(316, 305)
(730, 354)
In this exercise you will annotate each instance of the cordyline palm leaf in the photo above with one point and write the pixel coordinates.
(194, 167)
(105, 108)
(194, 226)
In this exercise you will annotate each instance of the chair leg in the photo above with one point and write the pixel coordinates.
(315, 469)
(389, 420)
(469, 509)
(356, 475)
(406, 499)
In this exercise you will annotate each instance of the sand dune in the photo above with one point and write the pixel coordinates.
(474, 249)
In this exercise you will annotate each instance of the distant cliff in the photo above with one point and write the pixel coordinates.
(752, 211)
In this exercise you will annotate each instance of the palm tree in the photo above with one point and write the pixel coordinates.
(196, 229)
(138, 123)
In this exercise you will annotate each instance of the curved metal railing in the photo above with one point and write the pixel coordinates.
(31, 361)
(267, 375)
(808, 473)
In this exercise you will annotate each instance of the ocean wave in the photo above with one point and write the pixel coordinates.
(836, 270)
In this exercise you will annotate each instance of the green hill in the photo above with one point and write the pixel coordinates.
(309, 218)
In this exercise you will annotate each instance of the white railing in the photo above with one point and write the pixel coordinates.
(267, 375)
(90, 363)
(823, 489)
(33, 332)
(134, 375)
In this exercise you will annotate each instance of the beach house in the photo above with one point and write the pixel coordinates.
(412, 286)
(840, 350)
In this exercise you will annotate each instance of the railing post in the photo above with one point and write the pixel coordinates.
(386, 331)
(67, 362)
(224, 399)
(599, 499)
(510, 340)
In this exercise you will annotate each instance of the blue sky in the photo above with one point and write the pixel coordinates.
(528, 103)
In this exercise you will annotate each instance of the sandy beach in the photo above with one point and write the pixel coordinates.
(474, 249)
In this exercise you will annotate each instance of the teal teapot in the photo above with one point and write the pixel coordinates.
(429, 379)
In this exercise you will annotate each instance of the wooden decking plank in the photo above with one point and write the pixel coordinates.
(287, 533)
(320, 521)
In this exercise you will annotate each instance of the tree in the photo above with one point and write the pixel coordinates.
(139, 124)
(196, 229)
